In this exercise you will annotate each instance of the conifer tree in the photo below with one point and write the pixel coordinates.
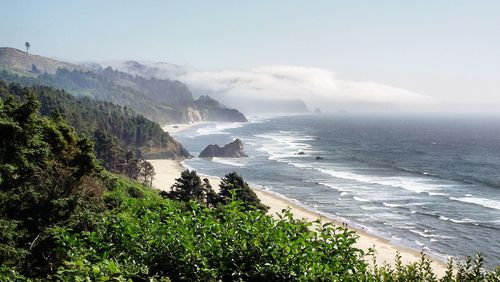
(187, 187)
(147, 173)
(234, 183)
(212, 198)
(43, 170)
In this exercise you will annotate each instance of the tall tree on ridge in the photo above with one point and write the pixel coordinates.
(27, 45)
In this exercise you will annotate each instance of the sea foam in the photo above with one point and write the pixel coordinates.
(218, 128)
(231, 162)
(488, 203)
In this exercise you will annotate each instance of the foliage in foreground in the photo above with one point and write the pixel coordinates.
(228, 243)
(153, 240)
(63, 218)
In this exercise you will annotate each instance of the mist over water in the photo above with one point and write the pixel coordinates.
(427, 182)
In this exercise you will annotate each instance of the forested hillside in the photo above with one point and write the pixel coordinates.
(64, 218)
(161, 100)
(116, 130)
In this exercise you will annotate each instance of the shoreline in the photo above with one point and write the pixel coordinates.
(178, 127)
(168, 170)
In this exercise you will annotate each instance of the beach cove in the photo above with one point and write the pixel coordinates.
(168, 170)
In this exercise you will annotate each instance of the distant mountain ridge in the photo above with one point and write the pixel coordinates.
(162, 100)
(21, 61)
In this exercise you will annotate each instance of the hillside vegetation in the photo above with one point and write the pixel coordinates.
(161, 100)
(64, 218)
(22, 62)
(120, 135)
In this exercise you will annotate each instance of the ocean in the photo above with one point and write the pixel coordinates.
(428, 182)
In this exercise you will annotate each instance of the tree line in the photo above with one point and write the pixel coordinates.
(190, 187)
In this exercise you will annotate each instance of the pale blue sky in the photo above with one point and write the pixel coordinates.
(448, 49)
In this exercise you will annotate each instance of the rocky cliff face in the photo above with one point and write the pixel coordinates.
(231, 150)
(211, 109)
(171, 149)
(193, 115)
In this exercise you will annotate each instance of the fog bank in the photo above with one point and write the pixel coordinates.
(285, 88)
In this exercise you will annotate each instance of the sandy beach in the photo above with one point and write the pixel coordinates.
(168, 170)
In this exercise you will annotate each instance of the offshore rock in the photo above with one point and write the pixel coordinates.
(231, 150)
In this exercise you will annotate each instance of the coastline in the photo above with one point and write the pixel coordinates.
(178, 127)
(168, 170)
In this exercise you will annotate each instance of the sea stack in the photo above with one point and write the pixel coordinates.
(231, 150)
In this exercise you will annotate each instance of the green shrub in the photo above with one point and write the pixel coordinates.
(144, 240)
(201, 244)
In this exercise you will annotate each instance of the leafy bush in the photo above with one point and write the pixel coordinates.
(200, 244)
(142, 240)
(9, 273)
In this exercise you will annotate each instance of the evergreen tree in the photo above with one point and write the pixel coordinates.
(188, 187)
(107, 149)
(129, 166)
(46, 176)
(116, 129)
(147, 173)
(34, 69)
(212, 199)
(233, 183)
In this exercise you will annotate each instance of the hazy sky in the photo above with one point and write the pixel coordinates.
(449, 50)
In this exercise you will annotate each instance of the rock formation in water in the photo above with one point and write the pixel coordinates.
(231, 150)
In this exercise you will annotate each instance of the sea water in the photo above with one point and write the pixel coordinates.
(431, 183)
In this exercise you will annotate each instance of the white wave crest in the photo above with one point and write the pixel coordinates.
(488, 203)
(359, 199)
(231, 162)
(407, 183)
(218, 128)
(284, 145)
(389, 205)
(463, 220)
